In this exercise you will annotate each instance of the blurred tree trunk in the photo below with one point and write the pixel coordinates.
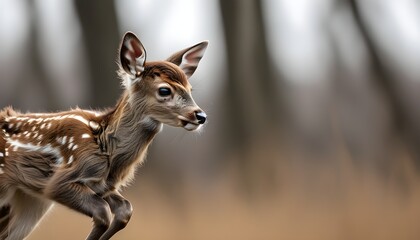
(379, 73)
(34, 72)
(253, 107)
(250, 94)
(404, 126)
(100, 31)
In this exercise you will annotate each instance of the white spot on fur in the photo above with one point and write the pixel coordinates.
(49, 125)
(70, 145)
(18, 124)
(85, 135)
(1, 154)
(33, 128)
(11, 125)
(42, 126)
(71, 139)
(79, 118)
(40, 137)
(94, 125)
(62, 140)
(1, 171)
(75, 147)
(71, 158)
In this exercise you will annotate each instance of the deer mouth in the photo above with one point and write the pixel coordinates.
(187, 124)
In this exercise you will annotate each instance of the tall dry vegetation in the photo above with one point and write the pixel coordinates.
(335, 200)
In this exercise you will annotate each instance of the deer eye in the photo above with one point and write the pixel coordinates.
(164, 91)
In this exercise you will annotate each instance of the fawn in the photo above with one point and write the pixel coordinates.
(82, 158)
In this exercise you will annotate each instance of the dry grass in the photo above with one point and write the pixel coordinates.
(327, 203)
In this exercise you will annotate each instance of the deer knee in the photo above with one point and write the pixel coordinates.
(123, 213)
(102, 215)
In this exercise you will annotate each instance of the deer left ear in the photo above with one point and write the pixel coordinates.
(189, 58)
(132, 55)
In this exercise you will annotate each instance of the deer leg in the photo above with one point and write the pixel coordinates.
(74, 187)
(4, 221)
(25, 213)
(5, 197)
(81, 198)
(122, 210)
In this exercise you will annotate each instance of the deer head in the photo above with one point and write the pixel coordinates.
(161, 88)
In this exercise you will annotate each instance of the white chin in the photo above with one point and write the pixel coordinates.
(191, 127)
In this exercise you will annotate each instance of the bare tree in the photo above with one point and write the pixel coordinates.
(35, 73)
(100, 31)
(251, 93)
(250, 72)
(403, 124)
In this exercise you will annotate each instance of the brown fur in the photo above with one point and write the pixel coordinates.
(82, 158)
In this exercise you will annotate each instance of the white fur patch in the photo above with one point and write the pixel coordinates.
(72, 116)
(1, 154)
(79, 118)
(71, 158)
(62, 140)
(191, 127)
(94, 125)
(85, 135)
(15, 148)
(35, 148)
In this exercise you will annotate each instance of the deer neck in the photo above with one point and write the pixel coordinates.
(128, 134)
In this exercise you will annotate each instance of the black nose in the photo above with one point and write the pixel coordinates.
(201, 117)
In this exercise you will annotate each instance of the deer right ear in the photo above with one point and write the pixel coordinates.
(132, 55)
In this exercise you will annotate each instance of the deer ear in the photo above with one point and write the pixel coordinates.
(132, 55)
(189, 58)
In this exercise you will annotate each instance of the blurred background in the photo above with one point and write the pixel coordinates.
(314, 117)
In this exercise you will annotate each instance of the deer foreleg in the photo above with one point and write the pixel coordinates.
(4, 221)
(81, 198)
(122, 210)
